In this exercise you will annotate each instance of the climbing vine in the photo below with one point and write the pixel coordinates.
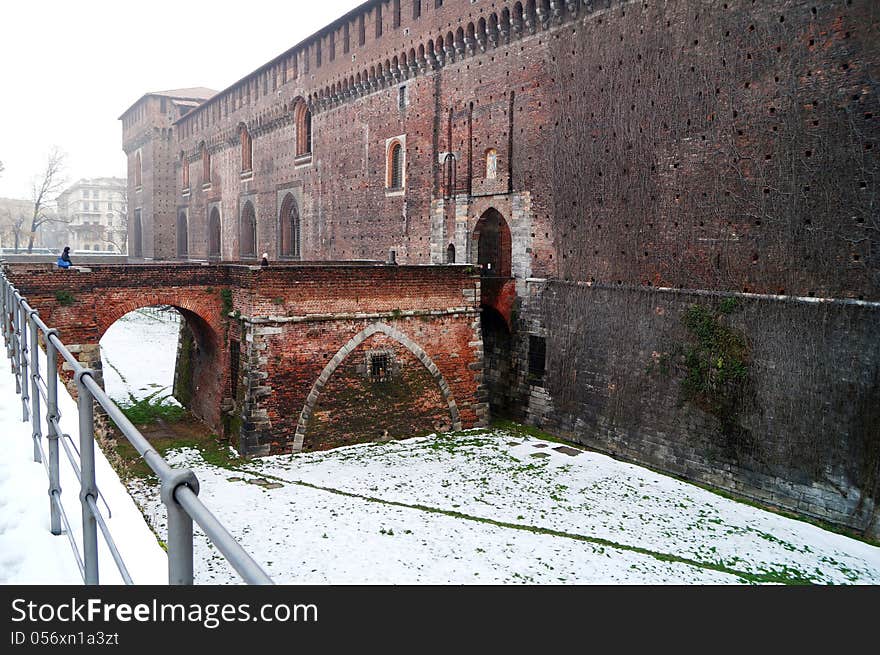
(716, 365)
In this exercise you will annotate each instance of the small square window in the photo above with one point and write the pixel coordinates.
(380, 365)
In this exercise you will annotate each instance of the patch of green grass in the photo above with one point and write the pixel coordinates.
(151, 409)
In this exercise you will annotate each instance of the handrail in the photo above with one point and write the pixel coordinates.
(21, 329)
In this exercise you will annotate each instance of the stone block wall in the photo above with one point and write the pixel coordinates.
(804, 431)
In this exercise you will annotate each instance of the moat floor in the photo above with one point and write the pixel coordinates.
(490, 507)
(481, 507)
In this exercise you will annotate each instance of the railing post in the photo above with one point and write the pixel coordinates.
(88, 486)
(23, 353)
(7, 337)
(16, 356)
(180, 528)
(52, 433)
(3, 310)
(35, 388)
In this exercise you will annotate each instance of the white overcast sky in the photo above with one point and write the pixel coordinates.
(68, 69)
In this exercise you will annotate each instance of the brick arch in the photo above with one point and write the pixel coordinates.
(346, 350)
(188, 304)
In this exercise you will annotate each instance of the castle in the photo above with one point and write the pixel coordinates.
(673, 208)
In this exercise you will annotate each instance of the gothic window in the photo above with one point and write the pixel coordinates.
(248, 231)
(303, 119)
(362, 30)
(378, 21)
(450, 254)
(395, 18)
(417, 9)
(214, 233)
(247, 150)
(491, 164)
(290, 228)
(184, 171)
(206, 165)
(346, 38)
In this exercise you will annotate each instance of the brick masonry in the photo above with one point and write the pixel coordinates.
(727, 146)
(287, 324)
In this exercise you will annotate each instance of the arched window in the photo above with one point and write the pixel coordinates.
(206, 165)
(182, 236)
(137, 235)
(303, 120)
(450, 254)
(184, 171)
(137, 170)
(248, 231)
(214, 233)
(395, 165)
(290, 228)
(247, 150)
(491, 164)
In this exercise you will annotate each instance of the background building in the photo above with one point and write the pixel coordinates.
(95, 211)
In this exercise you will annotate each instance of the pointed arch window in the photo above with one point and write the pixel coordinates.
(214, 233)
(248, 231)
(184, 172)
(247, 150)
(206, 166)
(303, 120)
(290, 228)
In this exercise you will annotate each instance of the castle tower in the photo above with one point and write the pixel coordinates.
(148, 141)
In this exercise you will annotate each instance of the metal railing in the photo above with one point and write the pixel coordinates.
(21, 329)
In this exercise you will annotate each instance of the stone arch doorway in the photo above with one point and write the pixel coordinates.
(379, 354)
(492, 244)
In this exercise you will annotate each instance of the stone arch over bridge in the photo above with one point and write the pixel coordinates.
(343, 353)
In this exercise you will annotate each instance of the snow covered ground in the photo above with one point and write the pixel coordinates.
(479, 507)
(29, 553)
(487, 507)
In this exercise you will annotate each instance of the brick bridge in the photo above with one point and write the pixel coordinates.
(298, 357)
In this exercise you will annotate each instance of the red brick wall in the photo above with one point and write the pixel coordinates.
(289, 322)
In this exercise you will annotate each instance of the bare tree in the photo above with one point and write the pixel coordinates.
(119, 238)
(17, 223)
(44, 190)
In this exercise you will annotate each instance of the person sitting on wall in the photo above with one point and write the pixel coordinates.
(265, 261)
(64, 259)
